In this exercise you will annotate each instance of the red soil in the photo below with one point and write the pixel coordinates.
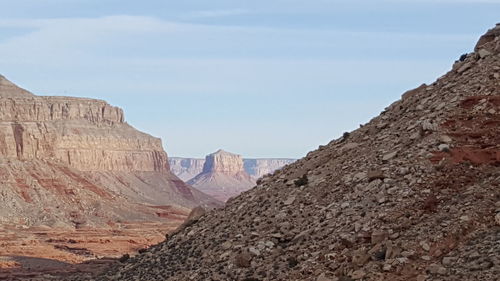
(28, 254)
(474, 133)
(23, 187)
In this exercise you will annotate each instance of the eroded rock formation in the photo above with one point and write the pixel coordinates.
(75, 161)
(188, 168)
(223, 176)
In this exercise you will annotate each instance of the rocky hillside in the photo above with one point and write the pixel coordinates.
(223, 176)
(412, 195)
(188, 168)
(75, 162)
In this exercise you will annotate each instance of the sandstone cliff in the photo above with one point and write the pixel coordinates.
(412, 195)
(75, 161)
(188, 168)
(223, 162)
(223, 176)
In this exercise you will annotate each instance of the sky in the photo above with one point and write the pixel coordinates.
(261, 78)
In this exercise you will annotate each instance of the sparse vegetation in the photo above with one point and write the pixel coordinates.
(301, 181)
(124, 258)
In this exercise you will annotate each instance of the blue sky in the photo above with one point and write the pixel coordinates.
(271, 78)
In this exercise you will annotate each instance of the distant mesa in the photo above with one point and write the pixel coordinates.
(188, 168)
(222, 174)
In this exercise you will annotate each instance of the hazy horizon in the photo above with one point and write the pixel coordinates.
(263, 79)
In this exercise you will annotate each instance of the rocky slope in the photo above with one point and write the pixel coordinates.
(412, 195)
(73, 162)
(223, 176)
(188, 168)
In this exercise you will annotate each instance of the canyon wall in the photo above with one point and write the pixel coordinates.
(63, 156)
(188, 168)
(87, 134)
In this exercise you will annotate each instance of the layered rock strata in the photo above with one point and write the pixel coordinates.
(223, 176)
(188, 168)
(75, 161)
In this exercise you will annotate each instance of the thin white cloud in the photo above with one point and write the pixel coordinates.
(221, 59)
(141, 24)
(78, 41)
(107, 23)
(213, 14)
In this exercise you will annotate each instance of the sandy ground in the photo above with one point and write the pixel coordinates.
(47, 254)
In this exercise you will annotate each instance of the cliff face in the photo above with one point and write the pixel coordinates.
(87, 134)
(62, 154)
(223, 162)
(223, 176)
(188, 168)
